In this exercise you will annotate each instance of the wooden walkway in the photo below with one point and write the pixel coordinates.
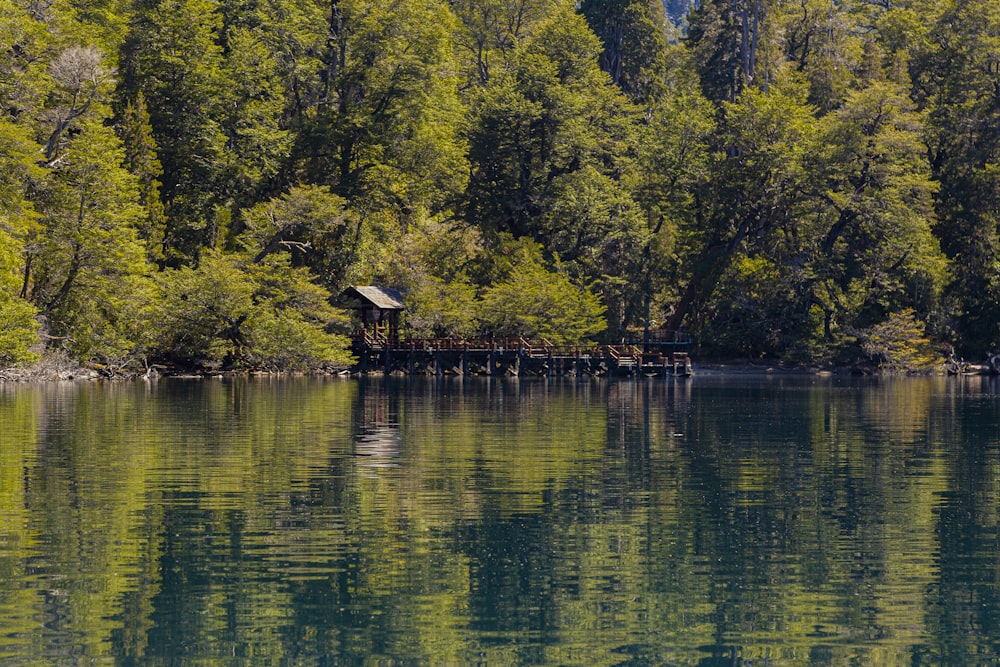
(515, 356)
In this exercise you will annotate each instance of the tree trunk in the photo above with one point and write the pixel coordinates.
(714, 261)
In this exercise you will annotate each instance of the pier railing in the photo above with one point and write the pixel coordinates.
(514, 354)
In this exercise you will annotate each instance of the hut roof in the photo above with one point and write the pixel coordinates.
(384, 298)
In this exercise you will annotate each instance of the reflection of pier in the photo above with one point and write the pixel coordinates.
(515, 356)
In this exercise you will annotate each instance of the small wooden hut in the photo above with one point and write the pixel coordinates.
(379, 308)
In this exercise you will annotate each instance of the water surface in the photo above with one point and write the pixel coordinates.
(711, 521)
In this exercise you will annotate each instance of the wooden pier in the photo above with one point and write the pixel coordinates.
(513, 356)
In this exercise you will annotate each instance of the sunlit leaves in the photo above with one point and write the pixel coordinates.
(386, 134)
(173, 58)
(87, 250)
(228, 311)
(899, 342)
(534, 301)
(17, 324)
(314, 227)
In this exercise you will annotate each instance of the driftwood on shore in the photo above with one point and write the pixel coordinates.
(961, 367)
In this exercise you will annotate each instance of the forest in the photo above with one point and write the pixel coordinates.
(195, 181)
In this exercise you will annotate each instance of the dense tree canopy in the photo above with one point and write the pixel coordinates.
(193, 179)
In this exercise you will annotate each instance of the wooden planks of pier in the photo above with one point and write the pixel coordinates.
(513, 356)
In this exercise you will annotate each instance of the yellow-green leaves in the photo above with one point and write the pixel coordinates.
(536, 301)
(234, 312)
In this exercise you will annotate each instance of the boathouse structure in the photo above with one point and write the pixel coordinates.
(378, 346)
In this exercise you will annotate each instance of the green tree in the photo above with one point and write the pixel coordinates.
(258, 145)
(536, 301)
(385, 135)
(673, 167)
(25, 80)
(754, 192)
(824, 43)
(875, 253)
(141, 160)
(436, 308)
(956, 81)
(86, 259)
(173, 58)
(490, 32)
(238, 313)
(17, 322)
(18, 220)
(315, 229)
(550, 140)
(899, 343)
(634, 36)
(725, 39)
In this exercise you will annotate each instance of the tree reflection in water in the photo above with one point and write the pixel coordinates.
(717, 520)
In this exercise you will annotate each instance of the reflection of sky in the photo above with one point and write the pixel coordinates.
(378, 446)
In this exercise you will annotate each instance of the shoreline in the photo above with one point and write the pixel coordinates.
(63, 370)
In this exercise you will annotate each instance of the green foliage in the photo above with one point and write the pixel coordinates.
(386, 134)
(536, 301)
(25, 81)
(140, 159)
(633, 33)
(754, 310)
(171, 56)
(956, 80)
(786, 174)
(258, 315)
(314, 227)
(899, 343)
(202, 312)
(17, 322)
(823, 42)
(86, 256)
(725, 38)
(880, 213)
(752, 200)
(258, 147)
(550, 142)
(439, 309)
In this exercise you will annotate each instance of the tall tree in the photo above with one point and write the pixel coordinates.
(876, 240)
(725, 39)
(550, 141)
(385, 135)
(958, 81)
(822, 41)
(87, 259)
(259, 145)
(490, 31)
(673, 168)
(634, 36)
(141, 160)
(173, 57)
(18, 154)
(81, 78)
(754, 191)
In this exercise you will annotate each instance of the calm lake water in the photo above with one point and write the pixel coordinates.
(710, 521)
